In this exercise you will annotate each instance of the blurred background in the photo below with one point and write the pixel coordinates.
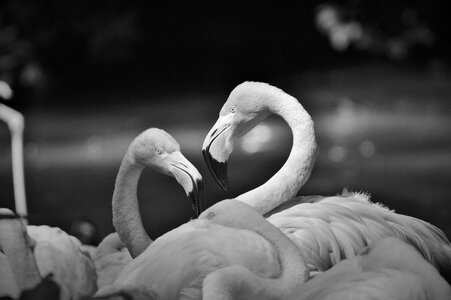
(91, 75)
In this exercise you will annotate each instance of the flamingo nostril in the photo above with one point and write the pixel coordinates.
(213, 133)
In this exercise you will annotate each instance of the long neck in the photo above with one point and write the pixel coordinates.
(285, 184)
(126, 216)
(14, 244)
(293, 269)
(237, 282)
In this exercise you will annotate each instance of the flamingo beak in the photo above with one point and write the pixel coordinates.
(217, 169)
(190, 179)
(216, 151)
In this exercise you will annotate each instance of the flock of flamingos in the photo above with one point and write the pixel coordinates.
(264, 244)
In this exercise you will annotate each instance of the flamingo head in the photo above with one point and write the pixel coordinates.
(158, 150)
(242, 111)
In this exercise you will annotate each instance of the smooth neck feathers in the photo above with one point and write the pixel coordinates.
(126, 215)
(294, 270)
(239, 282)
(294, 173)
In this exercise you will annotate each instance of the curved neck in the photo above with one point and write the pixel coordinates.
(126, 216)
(237, 282)
(285, 184)
(293, 271)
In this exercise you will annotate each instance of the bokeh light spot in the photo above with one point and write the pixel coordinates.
(337, 153)
(367, 148)
(257, 139)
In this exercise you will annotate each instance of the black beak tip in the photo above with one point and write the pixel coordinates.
(198, 198)
(217, 169)
(224, 184)
(194, 205)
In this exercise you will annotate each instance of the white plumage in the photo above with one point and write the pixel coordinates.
(110, 258)
(54, 253)
(329, 229)
(326, 229)
(156, 149)
(61, 255)
(176, 264)
(388, 269)
(193, 260)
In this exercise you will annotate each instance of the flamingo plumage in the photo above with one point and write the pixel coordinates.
(193, 261)
(227, 234)
(110, 257)
(340, 225)
(18, 267)
(372, 274)
(156, 149)
(62, 255)
(55, 251)
(20, 276)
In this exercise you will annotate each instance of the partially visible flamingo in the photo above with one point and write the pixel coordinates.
(16, 124)
(326, 229)
(403, 275)
(55, 251)
(156, 149)
(62, 255)
(228, 234)
(20, 276)
(18, 267)
(190, 261)
(110, 257)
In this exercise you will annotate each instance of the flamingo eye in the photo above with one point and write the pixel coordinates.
(159, 151)
(233, 109)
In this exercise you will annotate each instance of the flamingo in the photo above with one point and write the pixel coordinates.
(55, 251)
(190, 261)
(156, 149)
(19, 274)
(326, 229)
(175, 264)
(62, 255)
(372, 274)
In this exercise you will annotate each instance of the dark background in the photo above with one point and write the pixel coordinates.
(91, 75)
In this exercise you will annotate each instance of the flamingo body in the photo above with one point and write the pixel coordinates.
(175, 265)
(18, 270)
(110, 258)
(330, 229)
(388, 269)
(61, 254)
(8, 286)
(326, 229)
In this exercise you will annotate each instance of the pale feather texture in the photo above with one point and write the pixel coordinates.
(330, 229)
(60, 254)
(401, 275)
(326, 229)
(131, 292)
(175, 265)
(8, 286)
(110, 258)
(18, 270)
